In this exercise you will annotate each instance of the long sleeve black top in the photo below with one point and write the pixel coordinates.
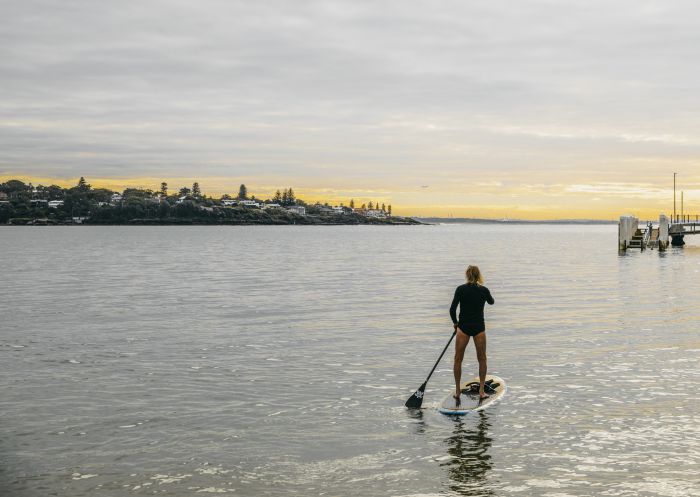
(471, 299)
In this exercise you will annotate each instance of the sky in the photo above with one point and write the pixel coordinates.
(517, 109)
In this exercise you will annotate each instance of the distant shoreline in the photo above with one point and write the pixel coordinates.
(468, 220)
(305, 221)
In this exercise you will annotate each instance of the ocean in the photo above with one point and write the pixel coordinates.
(275, 360)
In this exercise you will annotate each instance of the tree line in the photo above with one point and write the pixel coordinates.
(24, 200)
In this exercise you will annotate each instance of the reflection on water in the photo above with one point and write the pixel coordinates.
(470, 463)
(419, 424)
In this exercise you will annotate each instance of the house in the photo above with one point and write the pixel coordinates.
(3, 196)
(324, 209)
(338, 209)
(250, 203)
(229, 202)
(79, 220)
(116, 198)
(378, 213)
(53, 204)
(39, 202)
(272, 206)
(297, 209)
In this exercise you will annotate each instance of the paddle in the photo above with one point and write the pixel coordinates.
(416, 399)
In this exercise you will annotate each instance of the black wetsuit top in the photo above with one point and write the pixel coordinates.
(471, 299)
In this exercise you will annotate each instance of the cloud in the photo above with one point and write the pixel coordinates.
(516, 98)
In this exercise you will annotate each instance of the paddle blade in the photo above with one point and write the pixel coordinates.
(416, 399)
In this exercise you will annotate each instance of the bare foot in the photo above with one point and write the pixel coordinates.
(458, 399)
(483, 395)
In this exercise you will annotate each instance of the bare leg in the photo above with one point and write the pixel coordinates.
(460, 345)
(480, 345)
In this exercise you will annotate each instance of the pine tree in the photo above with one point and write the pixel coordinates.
(196, 192)
(163, 189)
(285, 197)
(371, 206)
(364, 206)
(278, 197)
(82, 184)
(290, 196)
(389, 211)
(185, 192)
(243, 192)
(352, 203)
(383, 208)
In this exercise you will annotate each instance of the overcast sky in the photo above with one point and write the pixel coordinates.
(520, 109)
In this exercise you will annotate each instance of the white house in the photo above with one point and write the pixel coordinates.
(55, 203)
(375, 213)
(297, 209)
(250, 203)
(116, 198)
(229, 202)
(272, 206)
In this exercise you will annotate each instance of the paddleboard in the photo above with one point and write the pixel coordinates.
(469, 401)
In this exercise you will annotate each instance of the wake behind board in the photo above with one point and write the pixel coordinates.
(470, 401)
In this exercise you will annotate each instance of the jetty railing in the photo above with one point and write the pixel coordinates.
(686, 218)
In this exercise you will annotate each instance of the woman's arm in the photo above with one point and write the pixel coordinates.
(488, 296)
(453, 307)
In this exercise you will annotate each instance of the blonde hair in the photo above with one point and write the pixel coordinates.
(474, 275)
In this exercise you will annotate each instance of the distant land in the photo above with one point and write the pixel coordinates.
(462, 220)
(23, 204)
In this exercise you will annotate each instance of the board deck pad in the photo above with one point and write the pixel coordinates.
(470, 401)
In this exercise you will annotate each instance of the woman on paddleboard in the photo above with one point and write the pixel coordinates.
(471, 298)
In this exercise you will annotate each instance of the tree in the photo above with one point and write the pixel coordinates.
(285, 197)
(371, 206)
(82, 184)
(243, 192)
(290, 196)
(55, 192)
(184, 191)
(352, 203)
(278, 197)
(364, 206)
(12, 186)
(163, 189)
(196, 192)
(389, 209)
(383, 208)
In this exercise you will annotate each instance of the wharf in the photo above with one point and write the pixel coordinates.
(651, 234)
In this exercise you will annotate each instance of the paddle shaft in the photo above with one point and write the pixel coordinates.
(439, 358)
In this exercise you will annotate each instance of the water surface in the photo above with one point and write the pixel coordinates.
(265, 361)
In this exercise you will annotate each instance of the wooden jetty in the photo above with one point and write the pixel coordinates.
(651, 235)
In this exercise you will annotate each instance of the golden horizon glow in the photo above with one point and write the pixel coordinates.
(602, 201)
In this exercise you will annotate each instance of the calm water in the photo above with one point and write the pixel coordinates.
(257, 361)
